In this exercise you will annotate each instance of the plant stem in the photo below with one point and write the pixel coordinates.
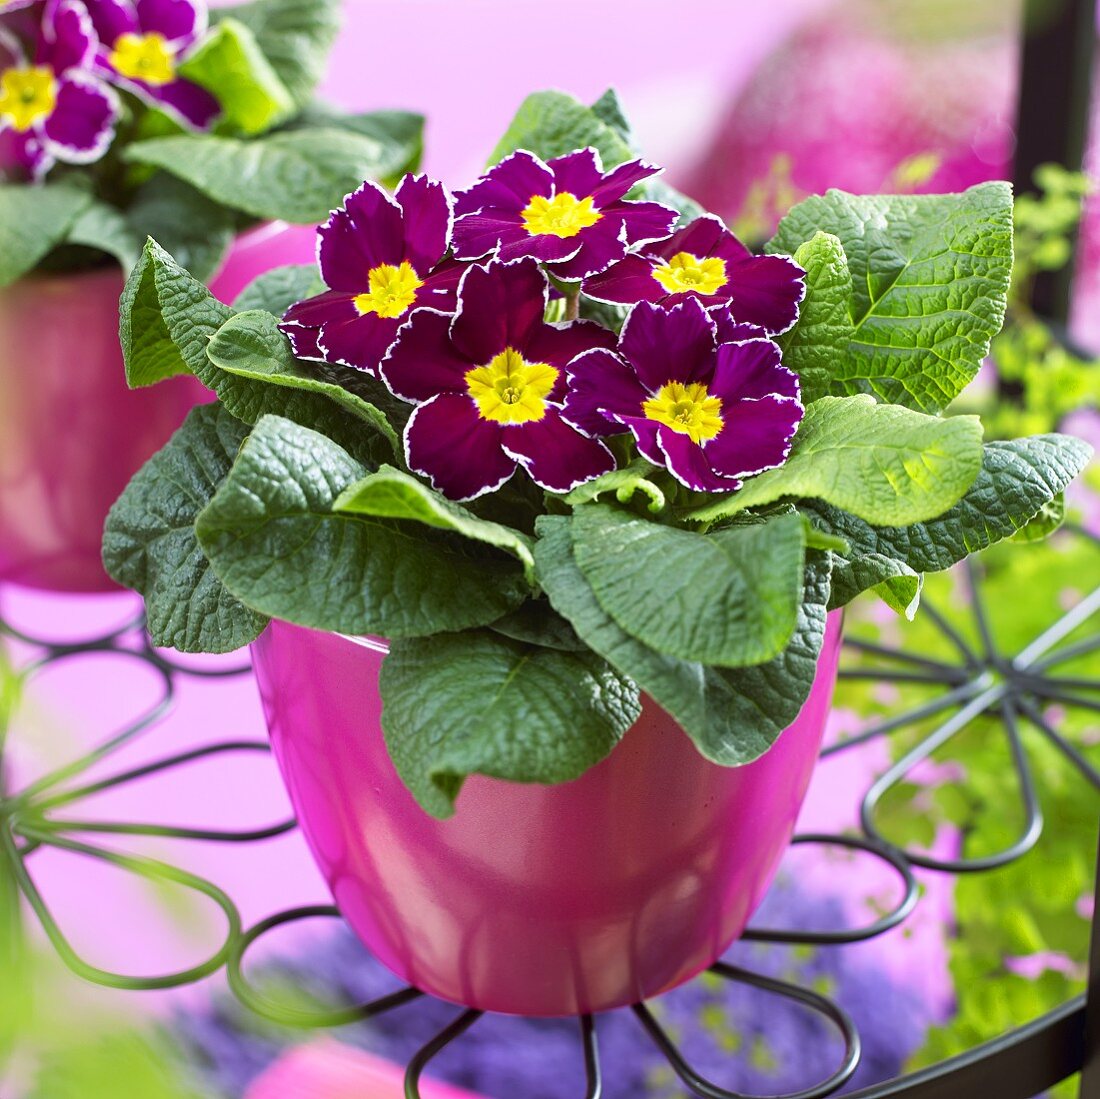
(573, 305)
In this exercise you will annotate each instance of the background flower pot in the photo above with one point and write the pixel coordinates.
(532, 900)
(71, 432)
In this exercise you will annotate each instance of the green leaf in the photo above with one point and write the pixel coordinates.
(230, 65)
(250, 345)
(392, 494)
(33, 219)
(552, 123)
(898, 584)
(195, 230)
(926, 281)
(1017, 479)
(884, 463)
(733, 716)
(291, 175)
(294, 35)
(272, 536)
(275, 291)
(537, 623)
(107, 229)
(400, 133)
(609, 109)
(149, 543)
(625, 483)
(479, 703)
(728, 598)
(167, 321)
(1044, 522)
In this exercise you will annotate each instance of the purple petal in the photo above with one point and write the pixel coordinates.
(667, 345)
(700, 238)
(303, 341)
(81, 125)
(68, 37)
(190, 104)
(645, 221)
(545, 247)
(731, 331)
(180, 21)
(756, 436)
(601, 386)
(688, 462)
(507, 186)
(580, 173)
(556, 455)
(449, 443)
(645, 435)
(477, 235)
(423, 361)
(499, 305)
(626, 282)
(600, 246)
(333, 305)
(27, 151)
(750, 370)
(361, 342)
(366, 233)
(766, 290)
(560, 344)
(112, 18)
(428, 218)
(618, 181)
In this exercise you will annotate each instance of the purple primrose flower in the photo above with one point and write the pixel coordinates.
(567, 213)
(705, 260)
(381, 258)
(488, 385)
(710, 412)
(143, 42)
(51, 105)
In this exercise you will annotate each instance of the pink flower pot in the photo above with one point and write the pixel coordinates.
(532, 900)
(71, 432)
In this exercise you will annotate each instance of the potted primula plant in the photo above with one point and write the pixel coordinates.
(120, 120)
(538, 505)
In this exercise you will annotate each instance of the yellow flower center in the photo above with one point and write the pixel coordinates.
(510, 390)
(685, 273)
(144, 57)
(564, 215)
(686, 409)
(392, 290)
(27, 95)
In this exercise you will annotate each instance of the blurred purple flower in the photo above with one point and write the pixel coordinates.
(51, 105)
(143, 42)
(566, 213)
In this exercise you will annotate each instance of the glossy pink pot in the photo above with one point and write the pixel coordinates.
(71, 432)
(532, 900)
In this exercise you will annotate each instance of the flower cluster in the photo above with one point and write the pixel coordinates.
(59, 72)
(446, 301)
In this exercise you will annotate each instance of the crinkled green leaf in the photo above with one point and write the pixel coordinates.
(195, 230)
(149, 542)
(926, 277)
(552, 123)
(290, 175)
(624, 483)
(732, 715)
(399, 133)
(294, 35)
(33, 219)
(1017, 479)
(275, 291)
(481, 703)
(167, 321)
(884, 463)
(107, 229)
(273, 538)
(392, 494)
(537, 623)
(250, 345)
(728, 598)
(230, 65)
